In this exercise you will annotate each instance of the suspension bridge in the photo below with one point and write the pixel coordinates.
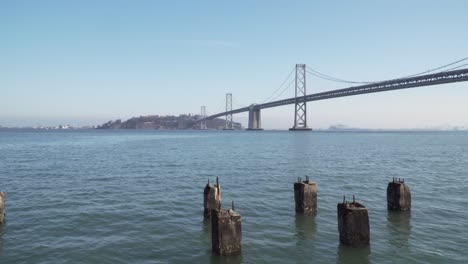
(301, 97)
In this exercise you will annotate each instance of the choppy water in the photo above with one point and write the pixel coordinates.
(137, 196)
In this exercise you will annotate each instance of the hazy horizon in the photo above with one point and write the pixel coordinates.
(85, 122)
(85, 63)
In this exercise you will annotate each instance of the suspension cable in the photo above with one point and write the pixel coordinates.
(234, 102)
(281, 86)
(330, 78)
(335, 79)
(454, 68)
(284, 90)
(438, 68)
(321, 75)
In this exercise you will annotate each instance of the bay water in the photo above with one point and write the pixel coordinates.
(129, 196)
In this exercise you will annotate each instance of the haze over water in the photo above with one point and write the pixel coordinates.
(137, 196)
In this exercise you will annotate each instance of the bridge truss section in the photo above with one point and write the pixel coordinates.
(395, 84)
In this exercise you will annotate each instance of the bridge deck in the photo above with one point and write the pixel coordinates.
(395, 84)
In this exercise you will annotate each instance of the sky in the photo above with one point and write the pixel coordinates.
(87, 62)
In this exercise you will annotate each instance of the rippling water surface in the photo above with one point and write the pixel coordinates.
(137, 196)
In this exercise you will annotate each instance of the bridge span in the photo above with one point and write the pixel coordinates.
(301, 98)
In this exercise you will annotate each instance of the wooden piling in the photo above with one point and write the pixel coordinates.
(2, 208)
(353, 223)
(211, 198)
(305, 196)
(226, 232)
(398, 195)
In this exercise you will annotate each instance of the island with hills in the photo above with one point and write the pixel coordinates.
(185, 121)
(188, 121)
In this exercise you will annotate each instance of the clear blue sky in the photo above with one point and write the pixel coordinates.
(86, 62)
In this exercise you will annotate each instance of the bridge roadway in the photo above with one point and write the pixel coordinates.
(389, 85)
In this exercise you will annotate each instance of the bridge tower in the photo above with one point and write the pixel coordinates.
(229, 124)
(203, 116)
(300, 111)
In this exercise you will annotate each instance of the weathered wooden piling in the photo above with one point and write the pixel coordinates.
(305, 196)
(226, 232)
(398, 195)
(2, 207)
(211, 198)
(353, 223)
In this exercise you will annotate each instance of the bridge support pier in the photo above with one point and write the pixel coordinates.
(255, 122)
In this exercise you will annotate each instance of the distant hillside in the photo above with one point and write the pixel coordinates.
(165, 122)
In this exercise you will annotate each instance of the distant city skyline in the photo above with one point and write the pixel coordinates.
(88, 62)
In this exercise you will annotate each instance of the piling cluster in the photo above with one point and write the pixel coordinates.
(226, 228)
(353, 217)
(2, 208)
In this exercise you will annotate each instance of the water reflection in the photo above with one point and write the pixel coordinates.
(226, 259)
(206, 225)
(206, 229)
(399, 226)
(350, 255)
(1, 239)
(305, 227)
